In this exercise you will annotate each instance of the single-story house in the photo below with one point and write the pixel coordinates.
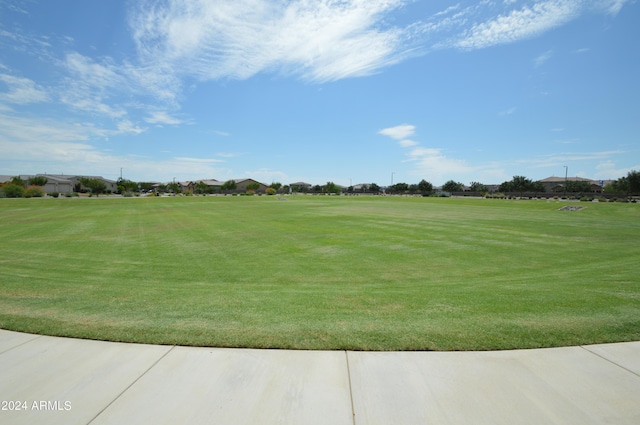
(300, 187)
(241, 185)
(556, 184)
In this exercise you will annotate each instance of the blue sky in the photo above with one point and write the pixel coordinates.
(349, 91)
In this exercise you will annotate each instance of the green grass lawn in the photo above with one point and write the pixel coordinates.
(315, 272)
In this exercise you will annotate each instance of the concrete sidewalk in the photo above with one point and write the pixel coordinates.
(46, 380)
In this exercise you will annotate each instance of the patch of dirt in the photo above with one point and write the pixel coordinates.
(571, 208)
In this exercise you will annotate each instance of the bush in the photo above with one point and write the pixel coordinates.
(54, 194)
(13, 191)
(34, 192)
(270, 191)
(127, 194)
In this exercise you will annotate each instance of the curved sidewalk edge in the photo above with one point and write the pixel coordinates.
(48, 380)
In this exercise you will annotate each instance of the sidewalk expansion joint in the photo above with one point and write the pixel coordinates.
(20, 345)
(131, 384)
(353, 411)
(611, 361)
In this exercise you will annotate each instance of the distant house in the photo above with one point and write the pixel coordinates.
(557, 184)
(212, 185)
(300, 187)
(57, 184)
(111, 185)
(62, 183)
(241, 185)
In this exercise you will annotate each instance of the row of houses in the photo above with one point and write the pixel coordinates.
(557, 184)
(62, 183)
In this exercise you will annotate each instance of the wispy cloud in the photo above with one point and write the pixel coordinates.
(430, 163)
(197, 160)
(506, 112)
(399, 132)
(162, 117)
(542, 58)
(317, 41)
(564, 158)
(406, 143)
(527, 22)
(21, 91)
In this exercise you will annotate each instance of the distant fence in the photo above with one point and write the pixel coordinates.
(548, 195)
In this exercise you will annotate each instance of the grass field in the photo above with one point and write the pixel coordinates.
(314, 272)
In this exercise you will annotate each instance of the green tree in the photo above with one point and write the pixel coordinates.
(478, 187)
(633, 177)
(521, 184)
(38, 181)
(578, 186)
(374, 188)
(18, 181)
(629, 184)
(95, 185)
(229, 185)
(125, 185)
(453, 186)
(276, 185)
(174, 187)
(399, 188)
(253, 187)
(331, 187)
(538, 187)
(201, 187)
(425, 187)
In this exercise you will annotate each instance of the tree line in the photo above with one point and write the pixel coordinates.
(18, 188)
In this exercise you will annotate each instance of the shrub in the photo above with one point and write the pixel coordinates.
(34, 192)
(127, 194)
(13, 191)
(54, 194)
(270, 191)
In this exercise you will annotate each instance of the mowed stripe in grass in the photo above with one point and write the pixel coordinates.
(313, 272)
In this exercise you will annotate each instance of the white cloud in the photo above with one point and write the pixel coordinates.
(399, 132)
(161, 117)
(610, 170)
(126, 126)
(506, 112)
(564, 158)
(21, 91)
(613, 7)
(406, 143)
(542, 58)
(197, 160)
(267, 176)
(433, 165)
(316, 40)
(526, 22)
(228, 154)
(41, 145)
